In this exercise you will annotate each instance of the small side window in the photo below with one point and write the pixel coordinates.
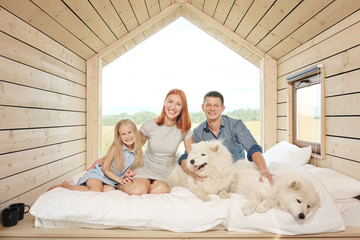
(307, 109)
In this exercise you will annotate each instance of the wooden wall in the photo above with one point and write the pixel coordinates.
(42, 112)
(338, 49)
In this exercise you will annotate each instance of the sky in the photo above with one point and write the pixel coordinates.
(178, 56)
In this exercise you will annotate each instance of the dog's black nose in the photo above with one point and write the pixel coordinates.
(301, 216)
(192, 161)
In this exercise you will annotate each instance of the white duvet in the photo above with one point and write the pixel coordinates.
(178, 211)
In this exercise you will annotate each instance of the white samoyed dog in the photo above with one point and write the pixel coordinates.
(211, 160)
(291, 192)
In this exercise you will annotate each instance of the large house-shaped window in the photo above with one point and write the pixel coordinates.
(179, 56)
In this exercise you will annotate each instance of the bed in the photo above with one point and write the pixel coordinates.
(181, 211)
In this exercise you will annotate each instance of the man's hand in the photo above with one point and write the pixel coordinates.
(269, 176)
(196, 177)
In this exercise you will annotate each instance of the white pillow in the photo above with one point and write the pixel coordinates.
(337, 184)
(284, 152)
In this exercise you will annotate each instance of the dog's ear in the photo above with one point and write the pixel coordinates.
(215, 146)
(295, 185)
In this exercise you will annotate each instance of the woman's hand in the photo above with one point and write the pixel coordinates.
(100, 161)
(125, 181)
(129, 173)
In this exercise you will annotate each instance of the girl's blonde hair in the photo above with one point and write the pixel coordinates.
(183, 121)
(117, 147)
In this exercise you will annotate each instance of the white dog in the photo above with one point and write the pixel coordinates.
(211, 160)
(291, 191)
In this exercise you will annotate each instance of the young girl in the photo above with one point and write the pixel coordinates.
(124, 154)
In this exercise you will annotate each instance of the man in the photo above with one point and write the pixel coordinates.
(234, 133)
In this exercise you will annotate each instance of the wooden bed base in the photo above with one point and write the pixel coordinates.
(25, 230)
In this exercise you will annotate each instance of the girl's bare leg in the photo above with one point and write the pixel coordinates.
(138, 186)
(94, 185)
(67, 185)
(108, 188)
(158, 187)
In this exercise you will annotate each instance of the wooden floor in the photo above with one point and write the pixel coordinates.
(25, 230)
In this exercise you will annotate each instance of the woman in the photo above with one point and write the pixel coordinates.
(164, 134)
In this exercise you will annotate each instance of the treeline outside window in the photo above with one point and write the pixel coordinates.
(251, 118)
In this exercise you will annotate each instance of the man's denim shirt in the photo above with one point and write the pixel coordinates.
(235, 135)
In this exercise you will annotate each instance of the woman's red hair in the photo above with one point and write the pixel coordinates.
(183, 121)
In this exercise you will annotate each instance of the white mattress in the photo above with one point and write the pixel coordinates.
(350, 211)
(178, 211)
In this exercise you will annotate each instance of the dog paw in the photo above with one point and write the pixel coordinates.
(263, 207)
(224, 194)
(205, 198)
(202, 195)
(248, 209)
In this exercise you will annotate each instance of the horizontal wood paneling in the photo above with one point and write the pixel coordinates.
(282, 123)
(15, 117)
(282, 95)
(16, 50)
(343, 105)
(24, 139)
(343, 126)
(43, 108)
(296, 19)
(325, 50)
(15, 72)
(20, 161)
(282, 109)
(339, 27)
(345, 166)
(342, 84)
(30, 196)
(18, 184)
(281, 135)
(36, 98)
(344, 148)
(13, 26)
(342, 90)
(40, 20)
(324, 19)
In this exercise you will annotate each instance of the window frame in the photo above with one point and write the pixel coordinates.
(297, 81)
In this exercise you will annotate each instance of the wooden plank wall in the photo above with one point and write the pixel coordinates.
(338, 48)
(43, 112)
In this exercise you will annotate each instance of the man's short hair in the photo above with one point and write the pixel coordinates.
(214, 94)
